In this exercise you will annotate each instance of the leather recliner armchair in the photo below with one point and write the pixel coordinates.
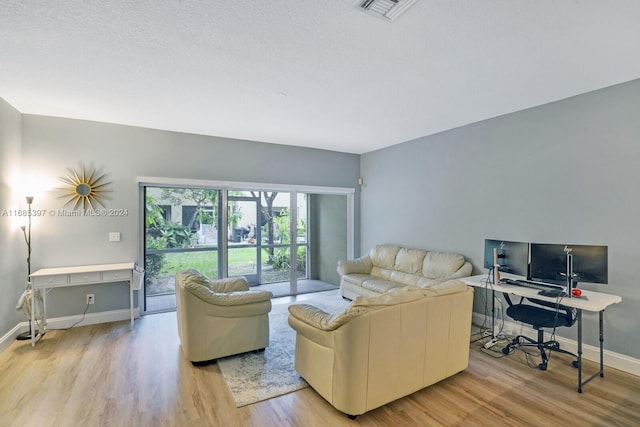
(218, 318)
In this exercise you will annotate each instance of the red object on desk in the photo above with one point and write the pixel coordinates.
(576, 292)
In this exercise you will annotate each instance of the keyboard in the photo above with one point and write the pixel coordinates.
(531, 284)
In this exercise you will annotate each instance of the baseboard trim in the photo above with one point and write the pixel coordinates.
(10, 336)
(67, 321)
(612, 359)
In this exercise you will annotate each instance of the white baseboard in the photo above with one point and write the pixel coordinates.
(589, 352)
(68, 321)
(10, 336)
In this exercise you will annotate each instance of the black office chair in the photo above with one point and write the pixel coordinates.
(543, 314)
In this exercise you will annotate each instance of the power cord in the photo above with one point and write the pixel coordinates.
(83, 316)
(496, 336)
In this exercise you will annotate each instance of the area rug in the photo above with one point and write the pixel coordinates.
(256, 376)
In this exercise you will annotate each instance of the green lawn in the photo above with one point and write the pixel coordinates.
(241, 261)
(207, 262)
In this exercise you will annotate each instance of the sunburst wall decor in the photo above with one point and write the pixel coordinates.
(83, 190)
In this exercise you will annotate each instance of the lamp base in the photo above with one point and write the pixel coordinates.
(25, 336)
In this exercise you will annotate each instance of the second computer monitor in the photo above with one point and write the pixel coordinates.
(548, 263)
(513, 257)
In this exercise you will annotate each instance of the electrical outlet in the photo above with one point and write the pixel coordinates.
(91, 299)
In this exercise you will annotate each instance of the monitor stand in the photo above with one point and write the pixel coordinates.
(569, 275)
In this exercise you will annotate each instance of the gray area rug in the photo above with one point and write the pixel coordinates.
(253, 377)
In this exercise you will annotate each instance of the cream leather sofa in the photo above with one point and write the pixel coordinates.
(387, 267)
(218, 318)
(385, 347)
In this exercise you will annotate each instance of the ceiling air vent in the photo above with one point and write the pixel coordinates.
(387, 9)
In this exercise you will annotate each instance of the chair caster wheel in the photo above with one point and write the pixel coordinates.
(542, 366)
(575, 364)
(506, 350)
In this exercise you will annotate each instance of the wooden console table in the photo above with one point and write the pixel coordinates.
(47, 278)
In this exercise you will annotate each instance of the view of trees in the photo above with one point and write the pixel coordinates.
(163, 233)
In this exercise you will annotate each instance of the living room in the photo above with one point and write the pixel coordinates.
(561, 171)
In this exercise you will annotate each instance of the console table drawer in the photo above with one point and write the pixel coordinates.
(90, 277)
(50, 280)
(116, 275)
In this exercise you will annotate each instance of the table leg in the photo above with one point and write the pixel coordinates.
(579, 316)
(601, 321)
(33, 317)
(131, 301)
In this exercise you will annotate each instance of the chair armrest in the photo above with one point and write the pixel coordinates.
(231, 284)
(360, 265)
(229, 298)
(239, 298)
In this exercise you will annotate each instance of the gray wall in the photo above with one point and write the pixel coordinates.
(13, 250)
(52, 145)
(329, 225)
(566, 172)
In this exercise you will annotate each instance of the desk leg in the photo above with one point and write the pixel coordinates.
(44, 310)
(131, 302)
(493, 315)
(601, 321)
(579, 316)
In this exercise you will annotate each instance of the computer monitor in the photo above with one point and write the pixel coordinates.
(549, 263)
(513, 257)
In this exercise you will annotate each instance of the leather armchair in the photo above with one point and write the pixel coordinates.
(218, 318)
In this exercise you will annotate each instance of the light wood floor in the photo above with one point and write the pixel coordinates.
(112, 375)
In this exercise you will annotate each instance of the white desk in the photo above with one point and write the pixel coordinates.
(47, 278)
(589, 301)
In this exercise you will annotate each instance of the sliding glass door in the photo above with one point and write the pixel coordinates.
(180, 231)
(259, 235)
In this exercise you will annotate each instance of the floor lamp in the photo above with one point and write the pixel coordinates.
(26, 231)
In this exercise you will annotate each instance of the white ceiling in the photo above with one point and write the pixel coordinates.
(309, 73)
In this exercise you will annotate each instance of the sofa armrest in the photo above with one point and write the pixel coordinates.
(464, 271)
(360, 265)
(319, 319)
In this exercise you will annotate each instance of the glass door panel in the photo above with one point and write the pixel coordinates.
(301, 247)
(242, 247)
(275, 237)
(180, 233)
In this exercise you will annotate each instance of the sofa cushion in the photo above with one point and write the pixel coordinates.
(384, 256)
(424, 282)
(409, 260)
(405, 278)
(356, 279)
(441, 264)
(381, 273)
(380, 285)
